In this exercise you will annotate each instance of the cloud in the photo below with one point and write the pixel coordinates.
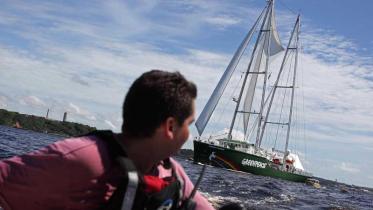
(74, 109)
(32, 101)
(172, 19)
(223, 21)
(3, 102)
(349, 168)
(369, 148)
(79, 79)
(207, 58)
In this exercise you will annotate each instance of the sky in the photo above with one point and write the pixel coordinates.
(80, 57)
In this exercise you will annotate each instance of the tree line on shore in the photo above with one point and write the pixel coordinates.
(63, 128)
(42, 124)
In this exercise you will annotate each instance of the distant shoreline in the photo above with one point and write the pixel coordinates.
(55, 127)
(42, 124)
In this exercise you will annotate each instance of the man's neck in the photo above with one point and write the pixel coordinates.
(142, 151)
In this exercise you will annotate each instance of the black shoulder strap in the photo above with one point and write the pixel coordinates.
(124, 196)
(129, 194)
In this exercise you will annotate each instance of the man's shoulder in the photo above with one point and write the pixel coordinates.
(178, 167)
(89, 152)
(175, 163)
(75, 144)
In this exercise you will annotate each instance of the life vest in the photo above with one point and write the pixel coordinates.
(137, 191)
(276, 161)
(290, 161)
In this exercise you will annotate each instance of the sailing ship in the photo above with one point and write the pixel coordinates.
(239, 154)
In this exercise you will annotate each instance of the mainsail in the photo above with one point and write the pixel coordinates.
(275, 47)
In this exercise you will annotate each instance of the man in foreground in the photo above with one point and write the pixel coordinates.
(103, 170)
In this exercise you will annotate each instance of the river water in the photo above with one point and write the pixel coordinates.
(222, 186)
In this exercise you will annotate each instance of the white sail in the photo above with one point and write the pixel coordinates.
(275, 47)
(207, 111)
(248, 101)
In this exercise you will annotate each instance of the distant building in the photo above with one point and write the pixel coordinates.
(64, 117)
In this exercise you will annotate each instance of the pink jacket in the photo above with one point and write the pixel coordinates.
(74, 173)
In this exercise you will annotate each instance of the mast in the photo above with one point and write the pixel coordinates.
(292, 90)
(248, 69)
(295, 30)
(268, 35)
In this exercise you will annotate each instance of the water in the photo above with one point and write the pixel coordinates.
(222, 186)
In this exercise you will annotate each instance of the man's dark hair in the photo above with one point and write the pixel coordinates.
(152, 98)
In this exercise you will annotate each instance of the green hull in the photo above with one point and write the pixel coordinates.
(241, 161)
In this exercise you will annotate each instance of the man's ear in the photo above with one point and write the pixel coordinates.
(170, 126)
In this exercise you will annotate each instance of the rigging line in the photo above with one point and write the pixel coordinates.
(294, 125)
(287, 7)
(303, 109)
(252, 129)
(294, 130)
(237, 126)
(281, 112)
(290, 73)
(226, 103)
(255, 123)
(270, 129)
(249, 135)
(296, 135)
(297, 112)
(283, 99)
(299, 115)
(270, 136)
